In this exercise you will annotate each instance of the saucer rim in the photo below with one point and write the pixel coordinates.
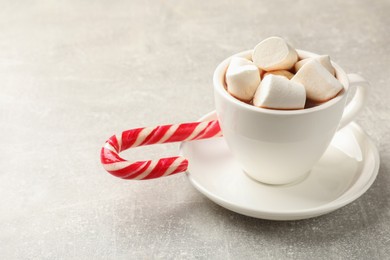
(328, 207)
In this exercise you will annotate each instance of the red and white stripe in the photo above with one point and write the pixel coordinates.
(150, 169)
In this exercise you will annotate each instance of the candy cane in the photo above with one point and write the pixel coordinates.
(142, 170)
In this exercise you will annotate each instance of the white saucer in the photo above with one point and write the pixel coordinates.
(347, 169)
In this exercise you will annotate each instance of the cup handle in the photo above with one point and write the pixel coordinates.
(358, 101)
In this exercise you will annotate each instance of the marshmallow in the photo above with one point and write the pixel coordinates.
(284, 73)
(320, 85)
(278, 92)
(238, 61)
(242, 78)
(324, 60)
(274, 53)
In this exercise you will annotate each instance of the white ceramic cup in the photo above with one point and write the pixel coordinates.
(282, 146)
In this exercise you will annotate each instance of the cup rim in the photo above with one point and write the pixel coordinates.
(219, 86)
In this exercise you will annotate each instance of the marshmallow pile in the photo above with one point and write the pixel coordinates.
(275, 78)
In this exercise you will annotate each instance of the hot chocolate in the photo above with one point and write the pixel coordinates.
(275, 78)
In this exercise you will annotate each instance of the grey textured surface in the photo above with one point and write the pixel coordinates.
(74, 72)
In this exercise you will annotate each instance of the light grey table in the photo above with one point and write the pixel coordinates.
(74, 72)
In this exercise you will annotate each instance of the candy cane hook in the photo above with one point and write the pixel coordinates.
(150, 169)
